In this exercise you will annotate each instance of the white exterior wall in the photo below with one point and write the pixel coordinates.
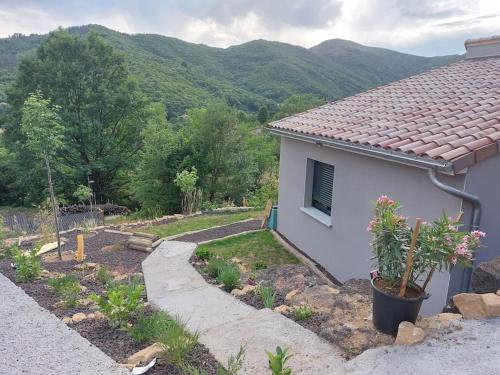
(344, 248)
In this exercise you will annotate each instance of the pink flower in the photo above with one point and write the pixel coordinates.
(452, 228)
(454, 259)
(478, 234)
(384, 200)
(448, 240)
(371, 224)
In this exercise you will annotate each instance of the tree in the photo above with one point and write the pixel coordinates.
(42, 127)
(263, 115)
(100, 105)
(296, 104)
(160, 158)
(186, 182)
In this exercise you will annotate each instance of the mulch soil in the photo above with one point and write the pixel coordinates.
(116, 344)
(226, 230)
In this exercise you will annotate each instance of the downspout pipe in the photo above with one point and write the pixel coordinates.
(475, 220)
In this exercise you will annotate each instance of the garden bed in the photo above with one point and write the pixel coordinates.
(340, 314)
(101, 249)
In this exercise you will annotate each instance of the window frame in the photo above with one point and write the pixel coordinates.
(308, 207)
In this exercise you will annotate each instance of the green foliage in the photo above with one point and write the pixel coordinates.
(439, 244)
(215, 265)
(277, 362)
(68, 288)
(83, 193)
(148, 327)
(103, 275)
(177, 343)
(121, 303)
(267, 190)
(229, 275)
(296, 104)
(259, 266)
(267, 295)
(203, 254)
(28, 266)
(302, 312)
(186, 180)
(263, 115)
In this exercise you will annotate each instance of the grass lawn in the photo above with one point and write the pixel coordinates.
(198, 223)
(252, 248)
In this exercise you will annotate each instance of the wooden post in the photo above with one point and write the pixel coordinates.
(80, 248)
(54, 208)
(409, 259)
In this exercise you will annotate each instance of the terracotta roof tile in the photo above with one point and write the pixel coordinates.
(446, 113)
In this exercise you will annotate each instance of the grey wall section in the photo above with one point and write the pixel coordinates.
(344, 248)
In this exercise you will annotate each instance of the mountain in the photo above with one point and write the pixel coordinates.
(260, 72)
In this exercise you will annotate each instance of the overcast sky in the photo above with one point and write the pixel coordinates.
(424, 27)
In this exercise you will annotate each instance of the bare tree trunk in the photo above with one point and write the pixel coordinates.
(54, 208)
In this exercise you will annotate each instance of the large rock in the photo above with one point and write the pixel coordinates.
(491, 303)
(145, 355)
(470, 305)
(486, 277)
(409, 334)
(321, 298)
(439, 322)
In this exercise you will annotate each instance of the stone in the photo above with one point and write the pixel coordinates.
(248, 288)
(91, 316)
(492, 304)
(145, 355)
(113, 247)
(320, 297)
(498, 292)
(486, 277)
(78, 317)
(291, 294)
(67, 320)
(85, 302)
(87, 266)
(443, 321)
(99, 315)
(53, 257)
(283, 309)
(470, 305)
(409, 334)
(237, 292)
(59, 305)
(50, 275)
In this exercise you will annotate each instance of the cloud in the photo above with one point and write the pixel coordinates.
(427, 27)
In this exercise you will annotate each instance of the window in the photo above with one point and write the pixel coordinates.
(322, 187)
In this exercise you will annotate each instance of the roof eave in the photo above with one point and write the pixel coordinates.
(376, 152)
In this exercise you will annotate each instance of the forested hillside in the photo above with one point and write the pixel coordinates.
(185, 75)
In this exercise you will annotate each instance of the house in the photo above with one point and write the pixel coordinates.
(431, 141)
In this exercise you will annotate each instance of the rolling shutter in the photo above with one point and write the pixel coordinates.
(322, 190)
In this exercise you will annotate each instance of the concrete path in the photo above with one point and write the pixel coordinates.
(33, 341)
(224, 323)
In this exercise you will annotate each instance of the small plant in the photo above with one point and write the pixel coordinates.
(121, 302)
(277, 362)
(177, 343)
(147, 328)
(234, 365)
(229, 275)
(302, 312)
(259, 266)
(215, 264)
(266, 294)
(103, 276)
(28, 266)
(203, 254)
(68, 288)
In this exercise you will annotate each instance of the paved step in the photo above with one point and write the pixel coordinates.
(225, 323)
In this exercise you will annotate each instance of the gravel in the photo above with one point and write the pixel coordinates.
(33, 341)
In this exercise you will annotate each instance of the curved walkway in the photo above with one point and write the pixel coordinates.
(225, 323)
(33, 341)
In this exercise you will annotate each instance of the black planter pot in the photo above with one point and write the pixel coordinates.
(389, 311)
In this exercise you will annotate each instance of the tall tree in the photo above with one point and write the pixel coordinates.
(41, 125)
(101, 107)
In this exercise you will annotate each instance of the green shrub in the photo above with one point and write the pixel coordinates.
(147, 328)
(177, 343)
(203, 254)
(266, 294)
(68, 288)
(121, 302)
(277, 362)
(302, 312)
(229, 275)
(259, 266)
(28, 266)
(215, 265)
(103, 276)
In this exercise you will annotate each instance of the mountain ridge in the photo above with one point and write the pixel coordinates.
(183, 75)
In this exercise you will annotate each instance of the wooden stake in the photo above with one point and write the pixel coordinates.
(79, 250)
(409, 259)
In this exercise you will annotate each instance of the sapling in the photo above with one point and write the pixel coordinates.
(41, 125)
(277, 362)
(267, 295)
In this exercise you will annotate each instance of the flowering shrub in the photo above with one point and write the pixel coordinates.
(439, 244)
